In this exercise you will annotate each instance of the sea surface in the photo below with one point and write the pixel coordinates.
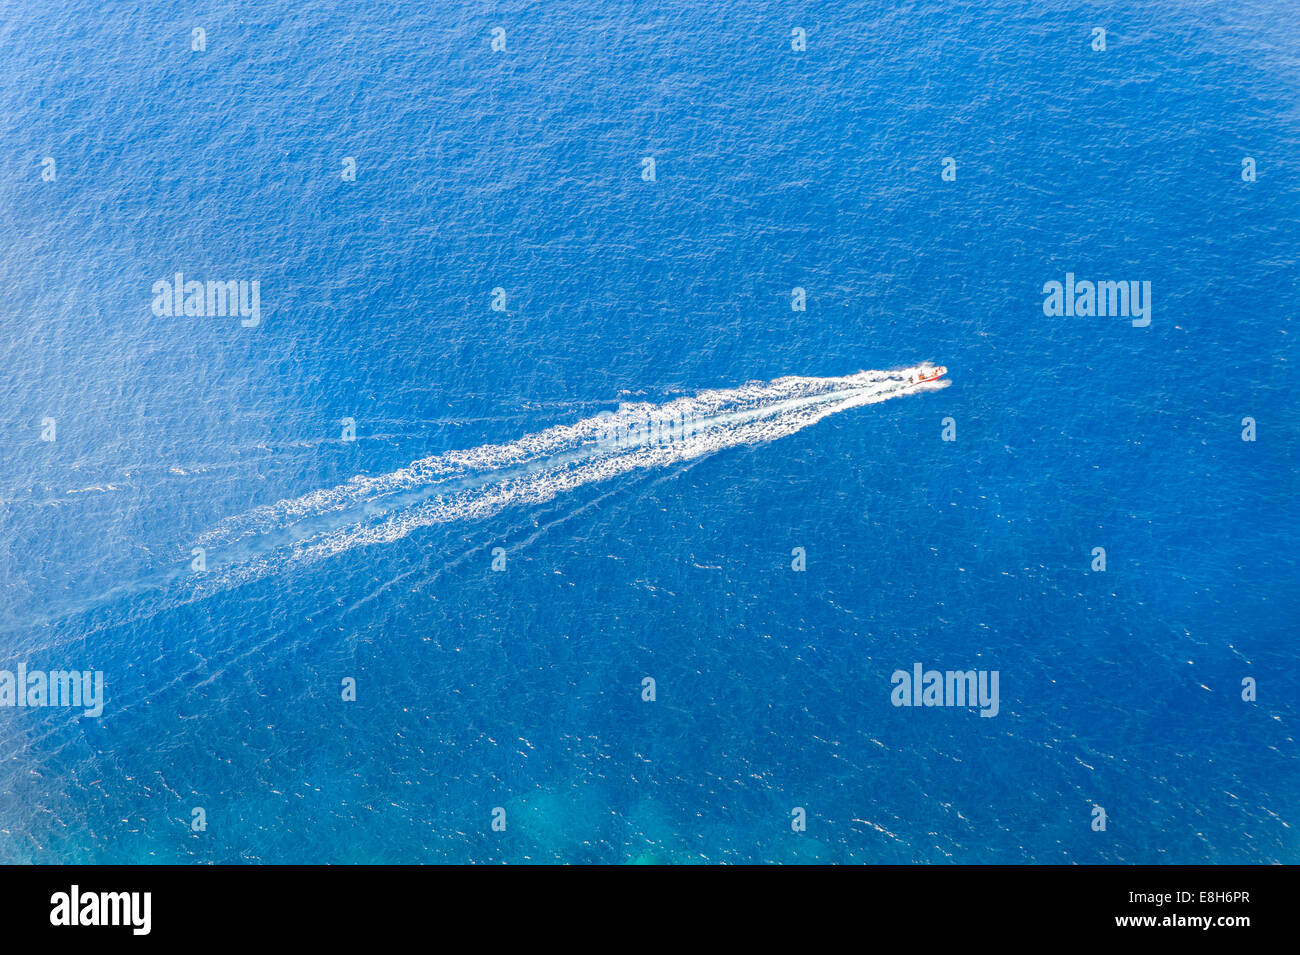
(516, 177)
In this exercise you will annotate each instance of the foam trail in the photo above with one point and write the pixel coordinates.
(479, 482)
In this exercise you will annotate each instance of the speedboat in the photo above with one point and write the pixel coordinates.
(929, 373)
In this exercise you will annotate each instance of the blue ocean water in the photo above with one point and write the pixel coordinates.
(521, 169)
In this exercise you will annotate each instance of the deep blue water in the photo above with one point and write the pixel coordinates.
(522, 169)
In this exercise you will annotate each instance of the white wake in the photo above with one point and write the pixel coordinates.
(479, 482)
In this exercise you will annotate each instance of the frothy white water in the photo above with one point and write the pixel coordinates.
(479, 482)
